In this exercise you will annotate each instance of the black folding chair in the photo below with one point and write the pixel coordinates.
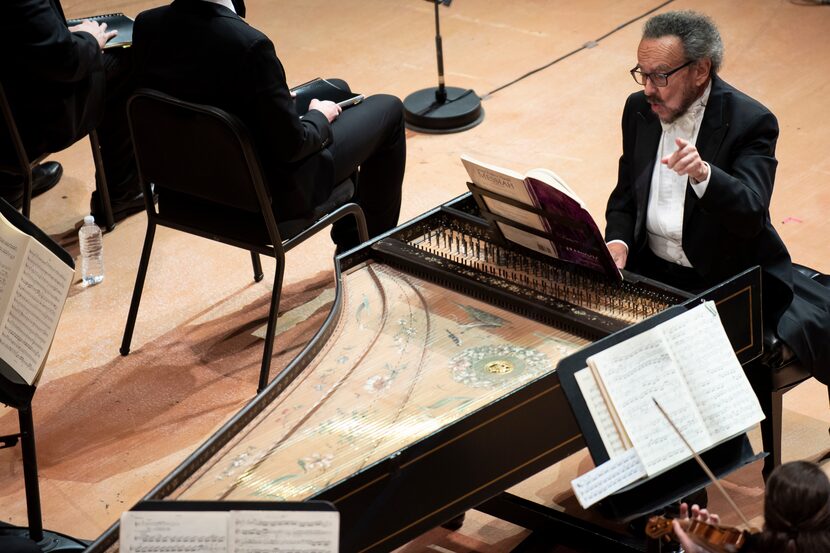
(204, 168)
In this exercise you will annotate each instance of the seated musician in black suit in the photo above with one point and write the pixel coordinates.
(61, 86)
(796, 514)
(202, 51)
(691, 204)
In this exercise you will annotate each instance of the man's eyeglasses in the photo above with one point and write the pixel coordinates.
(657, 79)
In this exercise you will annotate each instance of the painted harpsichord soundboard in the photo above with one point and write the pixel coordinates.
(431, 387)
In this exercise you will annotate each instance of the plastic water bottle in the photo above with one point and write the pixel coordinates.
(92, 252)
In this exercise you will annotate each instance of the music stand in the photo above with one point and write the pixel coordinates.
(15, 393)
(442, 109)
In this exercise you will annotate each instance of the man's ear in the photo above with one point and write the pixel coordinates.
(703, 69)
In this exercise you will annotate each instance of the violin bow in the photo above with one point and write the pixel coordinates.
(703, 465)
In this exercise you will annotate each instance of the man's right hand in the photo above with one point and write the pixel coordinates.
(619, 253)
(326, 107)
(97, 30)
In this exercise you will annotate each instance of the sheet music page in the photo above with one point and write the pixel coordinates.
(528, 240)
(527, 218)
(174, 532)
(284, 531)
(496, 179)
(34, 309)
(611, 476)
(608, 432)
(716, 380)
(634, 372)
(12, 246)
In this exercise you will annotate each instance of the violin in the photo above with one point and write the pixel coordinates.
(720, 539)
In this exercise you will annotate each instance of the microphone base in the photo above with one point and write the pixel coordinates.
(460, 112)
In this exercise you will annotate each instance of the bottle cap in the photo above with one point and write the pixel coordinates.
(89, 220)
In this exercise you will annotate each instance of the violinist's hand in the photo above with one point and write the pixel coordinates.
(697, 513)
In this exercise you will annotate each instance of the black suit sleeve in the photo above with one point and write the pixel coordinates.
(293, 138)
(739, 195)
(621, 210)
(47, 47)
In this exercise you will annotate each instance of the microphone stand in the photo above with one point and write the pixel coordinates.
(442, 109)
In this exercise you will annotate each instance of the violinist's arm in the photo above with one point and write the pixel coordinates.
(685, 515)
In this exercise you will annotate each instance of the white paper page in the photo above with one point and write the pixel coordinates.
(12, 246)
(284, 531)
(174, 532)
(715, 378)
(35, 308)
(527, 218)
(609, 477)
(552, 179)
(529, 240)
(634, 372)
(599, 412)
(496, 179)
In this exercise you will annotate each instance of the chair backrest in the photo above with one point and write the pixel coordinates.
(204, 169)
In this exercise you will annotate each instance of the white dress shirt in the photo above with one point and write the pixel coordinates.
(664, 217)
(227, 3)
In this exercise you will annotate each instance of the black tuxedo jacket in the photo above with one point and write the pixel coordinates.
(202, 52)
(54, 79)
(728, 230)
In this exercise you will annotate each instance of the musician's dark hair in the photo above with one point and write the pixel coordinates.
(697, 32)
(796, 510)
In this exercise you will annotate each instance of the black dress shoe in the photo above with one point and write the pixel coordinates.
(44, 177)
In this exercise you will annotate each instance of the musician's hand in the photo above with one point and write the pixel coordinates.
(619, 253)
(696, 513)
(326, 107)
(686, 161)
(97, 30)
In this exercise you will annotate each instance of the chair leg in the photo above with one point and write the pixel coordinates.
(270, 330)
(28, 183)
(30, 478)
(101, 180)
(362, 229)
(771, 431)
(139, 286)
(258, 276)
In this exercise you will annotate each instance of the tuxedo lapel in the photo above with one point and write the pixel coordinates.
(648, 138)
(714, 124)
(712, 131)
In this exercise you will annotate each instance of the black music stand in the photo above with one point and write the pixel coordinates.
(442, 109)
(646, 497)
(15, 393)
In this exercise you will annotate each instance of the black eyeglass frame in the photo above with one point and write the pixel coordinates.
(663, 76)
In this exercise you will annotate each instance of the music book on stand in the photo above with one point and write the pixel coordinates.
(540, 212)
(687, 365)
(35, 276)
(115, 22)
(230, 527)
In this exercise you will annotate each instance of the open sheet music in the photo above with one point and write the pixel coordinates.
(260, 531)
(34, 284)
(687, 364)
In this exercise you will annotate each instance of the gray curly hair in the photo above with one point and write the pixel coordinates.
(697, 32)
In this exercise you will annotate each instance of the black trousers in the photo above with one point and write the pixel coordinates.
(370, 138)
(113, 129)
